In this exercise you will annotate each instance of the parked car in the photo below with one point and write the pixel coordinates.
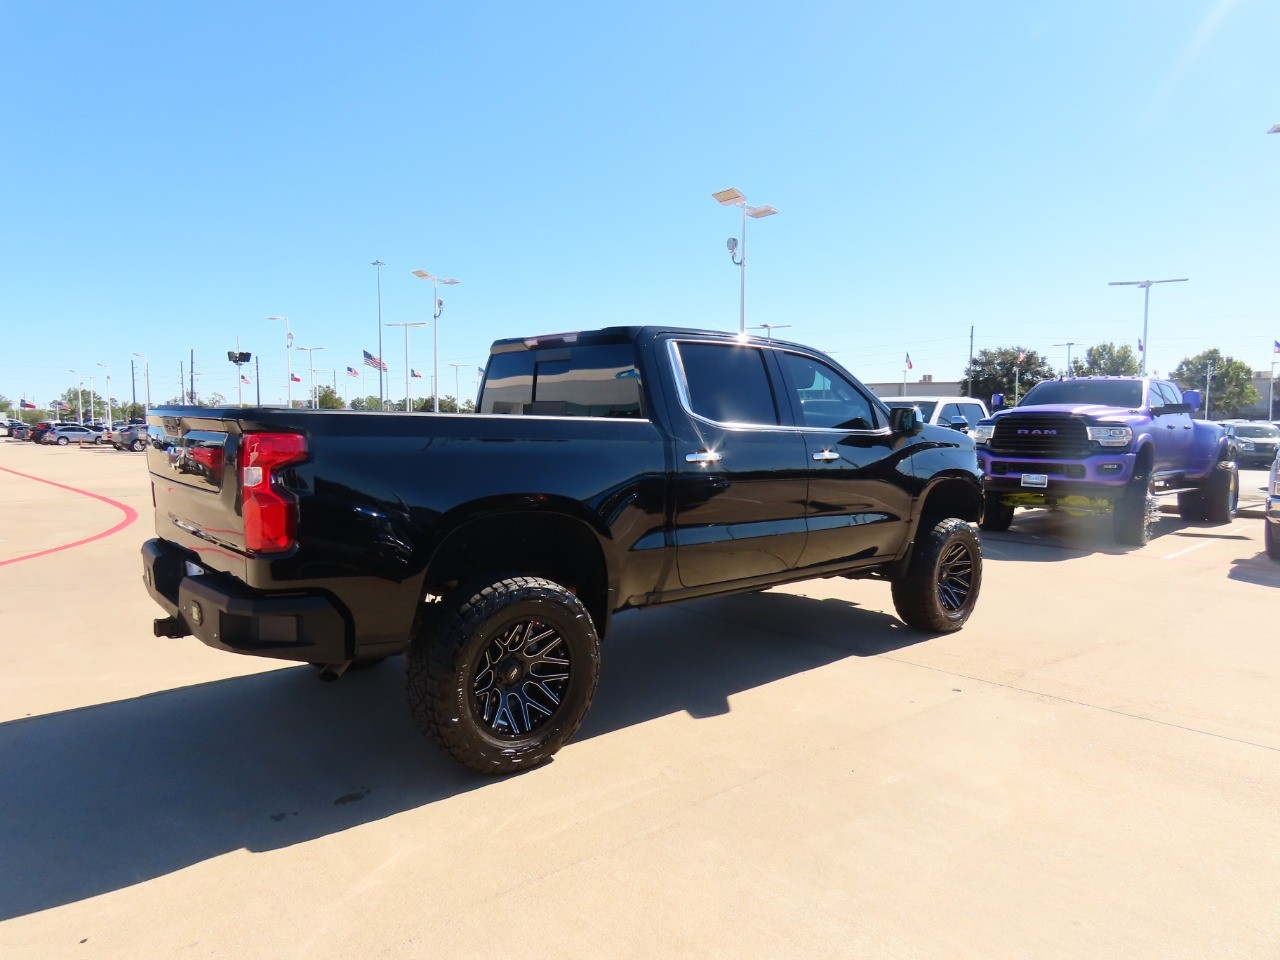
(1255, 441)
(21, 432)
(132, 436)
(41, 427)
(72, 433)
(958, 413)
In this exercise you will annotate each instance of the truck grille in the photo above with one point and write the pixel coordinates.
(1042, 435)
(1073, 471)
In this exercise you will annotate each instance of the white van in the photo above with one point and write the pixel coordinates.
(959, 413)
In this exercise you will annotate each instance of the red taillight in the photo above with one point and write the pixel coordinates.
(270, 515)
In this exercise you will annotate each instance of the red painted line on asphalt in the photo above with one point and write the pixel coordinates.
(130, 515)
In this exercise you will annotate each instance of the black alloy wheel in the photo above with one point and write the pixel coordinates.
(520, 679)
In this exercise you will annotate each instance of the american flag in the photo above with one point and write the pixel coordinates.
(909, 367)
(352, 372)
(376, 362)
(244, 379)
(1022, 355)
(415, 374)
(480, 371)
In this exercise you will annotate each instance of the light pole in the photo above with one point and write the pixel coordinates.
(382, 397)
(1071, 343)
(408, 407)
(146, 381)
(457, 390)
(108, 369)
(738, 250)
(437, 308)
(1146, 302)
(768, 328)
(79, 397)
(1208, 381)
(239, 358)
(311, 356)
(288, 359)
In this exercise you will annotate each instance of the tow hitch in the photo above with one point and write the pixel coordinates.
(170, 627)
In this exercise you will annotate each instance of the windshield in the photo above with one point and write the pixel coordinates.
(1257, 430)
(926, 406)
(1107, 393)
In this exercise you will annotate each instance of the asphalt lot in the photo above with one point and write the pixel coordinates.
(1090, 769)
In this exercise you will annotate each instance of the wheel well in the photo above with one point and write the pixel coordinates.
(553, 546)
(953, 498)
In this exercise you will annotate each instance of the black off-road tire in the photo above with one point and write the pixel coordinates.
(1222, 493)
(1270, 539)
(996, 516)
(503, 675)
(1191, 505)
(940, 588)
(1131, 521)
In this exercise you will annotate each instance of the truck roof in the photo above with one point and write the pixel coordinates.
(623, 335)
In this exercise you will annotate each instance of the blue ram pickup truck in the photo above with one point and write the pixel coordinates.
(605, 471)
(1109, 445)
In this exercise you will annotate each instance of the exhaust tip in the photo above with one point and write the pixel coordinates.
(333, 671)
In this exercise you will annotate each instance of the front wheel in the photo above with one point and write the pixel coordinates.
(1134, 513)
(63, 441)
(940, 588)
(137, 446)
(502, 676)
(1270, 539)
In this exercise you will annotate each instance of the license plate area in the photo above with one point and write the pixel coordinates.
(1036, 480)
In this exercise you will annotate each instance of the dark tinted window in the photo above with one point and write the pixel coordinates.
(599, 380)
(728, 383)
(826, 398)
(1108, 393)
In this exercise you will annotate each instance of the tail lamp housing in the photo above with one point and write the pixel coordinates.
(270, 513)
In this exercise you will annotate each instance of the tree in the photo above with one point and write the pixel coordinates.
(1108, 360)
(371, 402)
(1230, 387)
(327, 399)
(993, 371)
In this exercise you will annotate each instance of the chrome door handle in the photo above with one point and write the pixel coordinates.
(705, 456)
(823, 456)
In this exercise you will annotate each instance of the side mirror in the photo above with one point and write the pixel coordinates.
(904, 420)
(997, 401)
(1191, 398)
(960, 423)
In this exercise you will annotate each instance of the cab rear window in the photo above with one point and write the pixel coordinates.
(591, 380)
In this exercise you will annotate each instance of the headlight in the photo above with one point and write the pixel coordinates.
(1111, 436)
(983, 431)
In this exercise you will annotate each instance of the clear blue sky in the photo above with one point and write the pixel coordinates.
(174, 173)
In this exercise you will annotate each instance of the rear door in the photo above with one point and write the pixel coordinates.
(741, 473)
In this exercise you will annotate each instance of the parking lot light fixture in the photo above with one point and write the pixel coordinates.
(768, 328)
(1144, 346)
(79, 397)
(108, 397)
(738, 247)
(437, 308)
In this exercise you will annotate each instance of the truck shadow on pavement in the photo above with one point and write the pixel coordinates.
(105, 797)
(1046, 537)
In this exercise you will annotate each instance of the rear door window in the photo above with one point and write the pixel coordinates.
(728, 383)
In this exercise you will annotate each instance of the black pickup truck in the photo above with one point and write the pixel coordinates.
(604, 471)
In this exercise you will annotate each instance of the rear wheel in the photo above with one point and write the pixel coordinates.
(1132, 520)
(1191, 505)
(995, 515)
(503, 675)
(63, 441)
(137, 446)
(1222, 493)
(940, 588)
